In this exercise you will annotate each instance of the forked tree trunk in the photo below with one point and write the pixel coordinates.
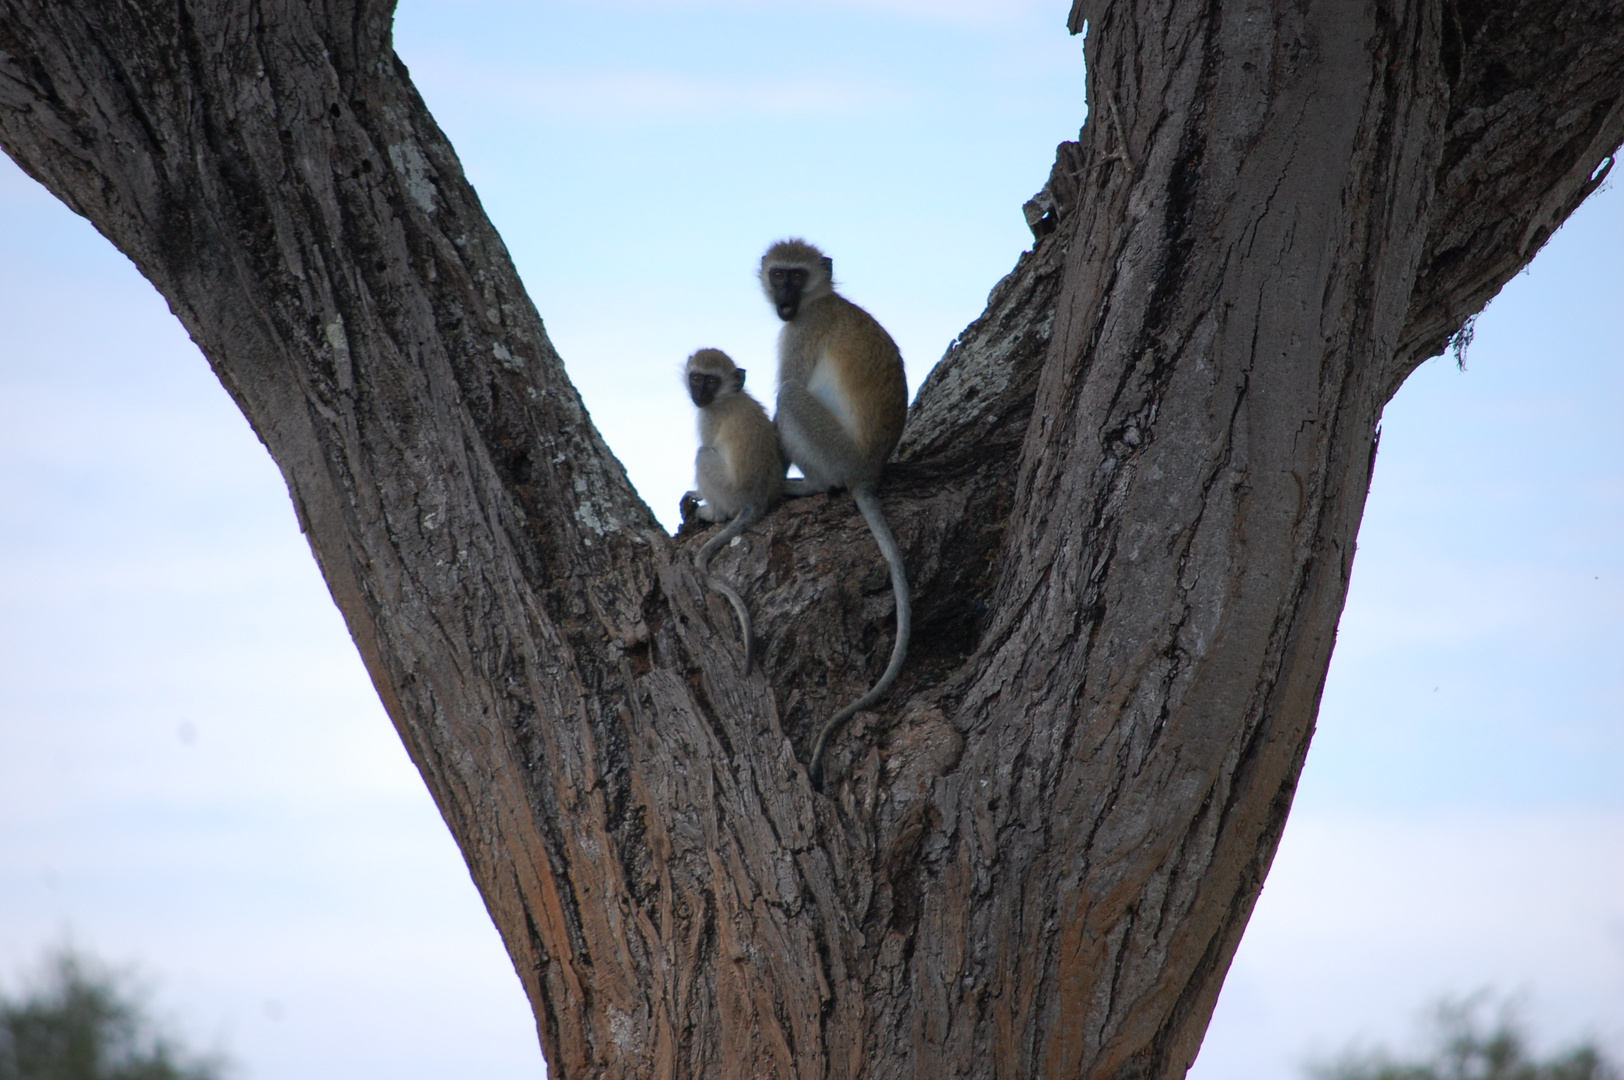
(1128, 498)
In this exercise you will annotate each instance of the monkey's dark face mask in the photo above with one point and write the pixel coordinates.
(703, 387)
(786, 283)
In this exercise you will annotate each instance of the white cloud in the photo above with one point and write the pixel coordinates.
(936, 12)
(1365, 920)
(639, 95)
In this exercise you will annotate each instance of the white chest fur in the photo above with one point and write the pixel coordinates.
(825, 385)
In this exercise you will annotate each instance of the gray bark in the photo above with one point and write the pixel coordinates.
(1128, 498)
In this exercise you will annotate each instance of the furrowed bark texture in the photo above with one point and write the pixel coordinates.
(1128, 497)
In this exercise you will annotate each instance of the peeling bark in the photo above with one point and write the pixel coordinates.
(1128, 497)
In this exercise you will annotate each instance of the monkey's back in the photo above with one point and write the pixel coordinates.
(736, 426)
(867, 366)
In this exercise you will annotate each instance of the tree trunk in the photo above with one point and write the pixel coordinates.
(1128, 498)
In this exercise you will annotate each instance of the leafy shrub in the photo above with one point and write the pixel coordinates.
(1463, 1046)
(83, 1022)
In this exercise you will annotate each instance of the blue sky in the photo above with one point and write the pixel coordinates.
(196, 777)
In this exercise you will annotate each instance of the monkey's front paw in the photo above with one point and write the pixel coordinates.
(688, 509)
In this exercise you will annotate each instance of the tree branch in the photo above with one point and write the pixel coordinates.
(558, 679)
(1536, 117)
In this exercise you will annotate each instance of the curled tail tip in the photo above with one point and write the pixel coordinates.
(746, 628)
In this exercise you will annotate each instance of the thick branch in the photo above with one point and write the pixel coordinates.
(560, 683)
(1536, 114)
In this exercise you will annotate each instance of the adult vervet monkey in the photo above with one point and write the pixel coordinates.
(738, 469)
(842, 401)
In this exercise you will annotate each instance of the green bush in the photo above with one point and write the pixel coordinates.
(83, 1022)
(1465, 1047)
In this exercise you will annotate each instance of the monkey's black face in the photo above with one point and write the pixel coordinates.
(786, 283)
(703, 386)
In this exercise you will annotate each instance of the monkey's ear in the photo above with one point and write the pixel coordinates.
(829, 266)
(741, 376)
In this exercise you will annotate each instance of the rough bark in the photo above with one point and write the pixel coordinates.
(1128, 497)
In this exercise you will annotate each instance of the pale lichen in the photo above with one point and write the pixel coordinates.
(413, 168)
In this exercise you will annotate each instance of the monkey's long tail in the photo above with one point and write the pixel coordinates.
(702, 564)
(869, 504)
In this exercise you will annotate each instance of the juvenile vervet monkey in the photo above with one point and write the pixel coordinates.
(842, 401)
(739, 469)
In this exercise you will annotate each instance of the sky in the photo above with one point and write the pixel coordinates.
(197, 781)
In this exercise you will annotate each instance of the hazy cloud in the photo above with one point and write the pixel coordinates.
(639, 95)
(948, 12)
